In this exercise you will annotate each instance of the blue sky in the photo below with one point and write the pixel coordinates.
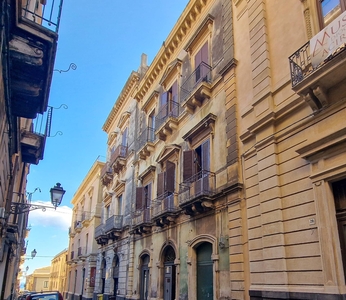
(105, 41)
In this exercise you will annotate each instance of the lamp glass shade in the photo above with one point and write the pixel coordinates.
(56, 194)
(33, 253)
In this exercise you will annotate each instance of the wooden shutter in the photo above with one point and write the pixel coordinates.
(148, 197)
(205, 156)
(188, 164)
(124, 137)
(163, 105)
(198, 58)
(161, 183)
(139, 197)
(170, 176)
(175, 91)
(204, 53)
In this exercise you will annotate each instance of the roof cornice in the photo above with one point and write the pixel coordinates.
(170, 45)
(125, 92)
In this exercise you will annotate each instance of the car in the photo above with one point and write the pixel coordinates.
(49, 295)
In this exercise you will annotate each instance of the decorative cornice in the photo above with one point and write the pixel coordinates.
(167, 151)
(124, 94)
(170, 45)
(171, 70)
(151, 99)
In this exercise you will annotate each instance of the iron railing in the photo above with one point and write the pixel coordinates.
(47, 13)
(141, 217)
(201, 74)
(201, 184)
(41, 125)
(119, 152)
(114, 222)
(148, 135)
(105, 169)
(163, 204)
(300, 64)
(100, 231)
(169, 110)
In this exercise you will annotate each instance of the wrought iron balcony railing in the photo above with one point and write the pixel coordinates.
(119, 152)
(202, 184)
(170, 110)
(114, 223)
(164, 204)
(100, 231)
(47, 13)
(141, 217)
(147, 136)
(300, 64)
(201, 74)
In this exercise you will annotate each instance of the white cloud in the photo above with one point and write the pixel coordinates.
(59, 218)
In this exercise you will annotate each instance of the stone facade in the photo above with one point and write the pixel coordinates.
(82, 251)
(58, 274)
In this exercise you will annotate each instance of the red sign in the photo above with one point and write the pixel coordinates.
(92, 276)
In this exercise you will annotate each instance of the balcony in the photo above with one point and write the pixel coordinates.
(81, 251)
(71, 232)
(118, 158)
(78, 226)
(141, 221)
(100, 235)
(196, 193)
(164, 210)
(106, 174)
(167, 119)
(146, 143)
(33, 137)
(85, 218)
(196, 88)
(32, 43)
(114, 227)
(317, 72)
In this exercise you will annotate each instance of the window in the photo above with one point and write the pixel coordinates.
(143, 197)
(151, 126)
(329, 10)
(124, 137)
(169, 102)
(120, 204)
(45, 284)
(196, 161)
(166, 181)
(202, 63)
(107, 212)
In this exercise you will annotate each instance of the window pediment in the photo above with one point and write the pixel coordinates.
(124, 117)
(119, 186)
(147, 172)
(205, 126)
(173, 69)
(201, 32)
(150, 101)
(167, 151)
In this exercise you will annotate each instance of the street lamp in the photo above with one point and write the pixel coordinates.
(56, 194)
(33, 254)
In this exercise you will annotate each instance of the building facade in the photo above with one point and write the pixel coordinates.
(38, 281)
(173, 173)
(82, 252)
(290, 84)
(27, 58)
(58, 272)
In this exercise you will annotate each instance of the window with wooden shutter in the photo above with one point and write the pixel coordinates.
(161, 183)
(188, 164)
(139, 197)
(205, 156)
(170, 177)
(124, 138)
(147, 196)
(200, 58)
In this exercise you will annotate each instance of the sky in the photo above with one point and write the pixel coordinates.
(105, 41)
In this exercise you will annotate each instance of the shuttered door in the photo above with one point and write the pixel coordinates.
(147, 198)
(170, 177)
(163, 105)
(205, 167)
(160, 184)
(188, 164)
(139, 198)
(201, 56)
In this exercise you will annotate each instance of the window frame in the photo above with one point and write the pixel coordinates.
(320, 13)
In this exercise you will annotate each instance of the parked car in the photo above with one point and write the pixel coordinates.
(52, 295)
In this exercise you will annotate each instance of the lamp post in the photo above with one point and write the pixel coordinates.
(56, 194)
(33, 254)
